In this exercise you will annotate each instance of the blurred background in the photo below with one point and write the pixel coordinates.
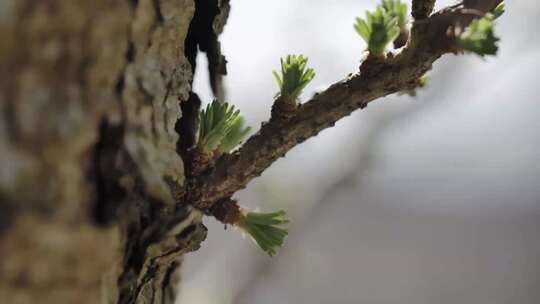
(433, 199)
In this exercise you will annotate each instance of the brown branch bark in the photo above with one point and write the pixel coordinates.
(421, 9)
(377, 78)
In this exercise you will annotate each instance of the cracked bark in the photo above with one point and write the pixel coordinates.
(90, 94)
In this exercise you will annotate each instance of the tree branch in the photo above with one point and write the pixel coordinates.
(378, 77)
(421, 9)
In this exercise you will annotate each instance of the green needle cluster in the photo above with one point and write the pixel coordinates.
(479, 37)
(265, 229)
(221, 128)
(397, 9)
(295, 76)
(378, 30)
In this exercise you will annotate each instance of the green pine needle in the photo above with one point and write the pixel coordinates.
(424, 80)
(378, 30)
(236, 135)
(294, 76)
(498, 11)
(221, 127)
(479, 37)
(265, 229)
(397, 9)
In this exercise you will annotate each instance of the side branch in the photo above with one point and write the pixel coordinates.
(378, 77)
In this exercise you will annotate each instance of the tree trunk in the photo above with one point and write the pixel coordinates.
(91, 98)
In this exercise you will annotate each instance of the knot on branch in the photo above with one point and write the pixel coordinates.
(226, 211)
(284, 109)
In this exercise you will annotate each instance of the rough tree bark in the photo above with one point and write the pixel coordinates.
(97, 117)
(90, 97)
